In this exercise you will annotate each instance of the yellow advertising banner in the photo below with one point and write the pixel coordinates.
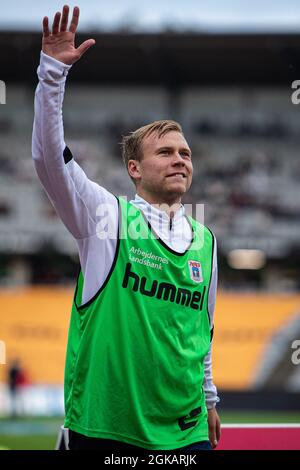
(34, 325)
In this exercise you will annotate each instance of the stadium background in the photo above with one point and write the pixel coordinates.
(231, 90)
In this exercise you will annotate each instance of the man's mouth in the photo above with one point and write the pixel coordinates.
(178, 175)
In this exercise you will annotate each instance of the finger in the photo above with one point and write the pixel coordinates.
(46, 31)
(75, 18)
(85, 46)
(64, 18)
(218, 431)
(213, 442)
(212, 437)
(55, 25)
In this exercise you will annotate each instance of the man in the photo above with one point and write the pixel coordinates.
(138, 368)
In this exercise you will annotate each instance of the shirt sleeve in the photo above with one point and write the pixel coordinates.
(209, 387)
(74, 196)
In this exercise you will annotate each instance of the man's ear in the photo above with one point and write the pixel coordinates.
(134, 169)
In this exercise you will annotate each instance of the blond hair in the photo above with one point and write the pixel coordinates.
(132, 143)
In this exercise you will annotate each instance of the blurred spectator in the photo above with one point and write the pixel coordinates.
(16, 380)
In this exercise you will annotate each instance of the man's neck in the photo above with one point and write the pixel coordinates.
(170, 207)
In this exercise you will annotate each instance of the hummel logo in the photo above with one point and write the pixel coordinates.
(184, 422)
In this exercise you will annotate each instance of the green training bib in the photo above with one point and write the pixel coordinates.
(135, 358)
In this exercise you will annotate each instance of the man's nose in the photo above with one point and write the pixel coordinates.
(178, 159)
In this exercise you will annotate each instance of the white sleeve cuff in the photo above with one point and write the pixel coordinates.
(51, 69)
(211, 402)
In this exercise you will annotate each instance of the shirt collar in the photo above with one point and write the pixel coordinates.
(146, 206)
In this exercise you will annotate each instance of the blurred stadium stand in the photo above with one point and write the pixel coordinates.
(232, 94)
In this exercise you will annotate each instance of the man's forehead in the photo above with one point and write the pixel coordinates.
(169, 139)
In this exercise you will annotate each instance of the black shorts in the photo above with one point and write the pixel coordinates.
(80, 442)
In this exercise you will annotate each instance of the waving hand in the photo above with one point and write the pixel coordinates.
(60, 43)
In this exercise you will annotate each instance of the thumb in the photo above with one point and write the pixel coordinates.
(85, 46)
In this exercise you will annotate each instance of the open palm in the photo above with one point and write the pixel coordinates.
(60, 44)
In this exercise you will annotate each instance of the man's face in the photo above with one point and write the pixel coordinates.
(165, 171)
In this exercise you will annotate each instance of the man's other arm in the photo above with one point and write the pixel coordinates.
(209, 387)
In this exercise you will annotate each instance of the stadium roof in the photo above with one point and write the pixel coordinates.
(157, 15)
(169, 59)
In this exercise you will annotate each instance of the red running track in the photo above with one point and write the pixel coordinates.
(260, 437)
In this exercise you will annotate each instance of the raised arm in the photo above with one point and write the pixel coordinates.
(73, 195)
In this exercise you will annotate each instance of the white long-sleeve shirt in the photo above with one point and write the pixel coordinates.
(77, 199)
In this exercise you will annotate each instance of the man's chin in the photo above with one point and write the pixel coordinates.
(177, 189)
